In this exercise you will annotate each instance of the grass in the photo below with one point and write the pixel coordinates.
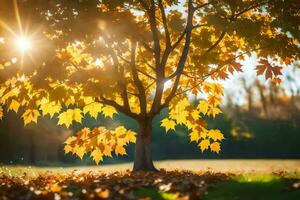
(155, 193)
(241, 166)
(249, 187)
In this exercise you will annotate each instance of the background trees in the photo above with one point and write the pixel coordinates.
(137, 57)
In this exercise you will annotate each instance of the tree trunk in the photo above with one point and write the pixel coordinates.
(143, 155)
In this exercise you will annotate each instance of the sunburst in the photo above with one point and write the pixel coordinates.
(21, 41)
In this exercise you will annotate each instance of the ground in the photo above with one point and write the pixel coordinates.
(182, 179)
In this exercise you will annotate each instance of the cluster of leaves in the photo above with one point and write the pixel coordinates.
(182, 112)
(118, 185)
(100, 142)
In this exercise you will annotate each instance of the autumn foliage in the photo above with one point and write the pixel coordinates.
(92, 58)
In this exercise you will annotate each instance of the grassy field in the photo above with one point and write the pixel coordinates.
(232, 179)
(219, 166)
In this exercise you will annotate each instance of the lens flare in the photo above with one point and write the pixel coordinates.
(23, 44)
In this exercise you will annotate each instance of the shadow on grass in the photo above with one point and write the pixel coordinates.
(253, 188)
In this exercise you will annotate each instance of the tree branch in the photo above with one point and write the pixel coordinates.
(183, 58)
(138, 83)
(250, 8)
(119, 107)
(121, 83)
(215, 44)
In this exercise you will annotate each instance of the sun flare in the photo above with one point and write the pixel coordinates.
(23, 44)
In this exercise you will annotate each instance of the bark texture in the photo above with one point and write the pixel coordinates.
(143, 155)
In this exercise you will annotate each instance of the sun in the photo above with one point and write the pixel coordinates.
(23, 44)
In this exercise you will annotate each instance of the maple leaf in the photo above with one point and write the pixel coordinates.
(214, 100)
(50, 108)
(120, 130)
(68, 149)
(107, 151)
(70, 140)
(97, 156)
(215, 147)
(215, 135)
(218, 89)
(213, 111)
(203, 107)
(120, 150)
(80, 151)
(77, 116)
(194, 136)
(234, 67)
(195, 114)
(131, 136)
(30, 116)
(12, 93)
(14, 105)
(265, 67)
(93, 109)
(204, 144)
(168, 124)
(69, 116)
(181, 117)
(221, 74)
(109, 111)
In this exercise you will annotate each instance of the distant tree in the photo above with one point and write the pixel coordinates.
(87, 57)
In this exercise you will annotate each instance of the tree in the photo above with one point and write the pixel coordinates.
(137, 57)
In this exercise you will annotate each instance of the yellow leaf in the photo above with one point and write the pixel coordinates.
(168, 124)
(182, 104)
(80, 151)
(30, 116)
(213, 111)
(215, 147)
(77, 116)
(120, 150)
(50, 108)
(204, 144)
(195, 114)
(97, 156)
(203, 107)
(215, 135)
(69, 116)
(181, 117)
(218, 89)
(109, 111)
(66, 118)
(70, 140)
(194, 136)
(68, 149)
(93, 109)
(130, 136)
(11, 93)
(120, 130)
(107, 151)
(14, 105)
(203, 134)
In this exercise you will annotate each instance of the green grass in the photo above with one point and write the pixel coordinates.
(154, 193)
(246, 187)
(253, 187)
